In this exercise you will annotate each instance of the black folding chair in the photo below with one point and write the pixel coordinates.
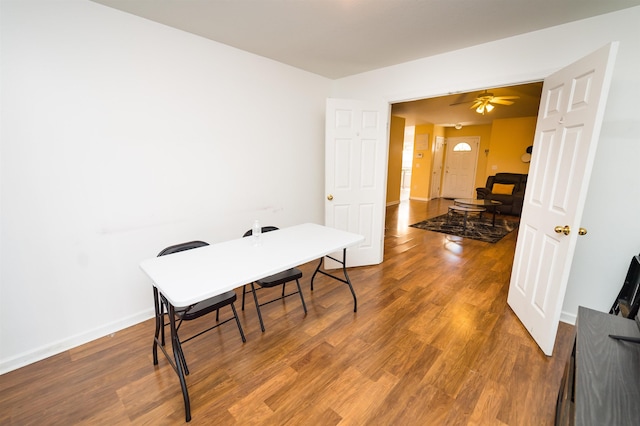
(281, 278)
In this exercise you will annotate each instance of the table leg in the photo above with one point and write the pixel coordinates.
(159, 320)
(346, 279)
(178, 357)
(175, 343)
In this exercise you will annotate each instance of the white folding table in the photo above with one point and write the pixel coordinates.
(190, 276)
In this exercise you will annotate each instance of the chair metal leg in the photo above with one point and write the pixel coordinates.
(244, 292)
(235, 314)
(162, 324)
(182, 358)
(304, 305)
(255, 298)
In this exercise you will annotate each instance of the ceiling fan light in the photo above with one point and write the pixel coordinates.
(489, 107)
(480, 109)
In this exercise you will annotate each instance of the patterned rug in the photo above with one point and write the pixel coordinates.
(477, 229)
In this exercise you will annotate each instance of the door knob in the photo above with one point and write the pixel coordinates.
(566, 230)
(582, 231)
(329, 197)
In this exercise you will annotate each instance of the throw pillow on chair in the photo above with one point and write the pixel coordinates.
(502, 188)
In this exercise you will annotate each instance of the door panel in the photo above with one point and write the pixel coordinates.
(569, 120)
(355, 174)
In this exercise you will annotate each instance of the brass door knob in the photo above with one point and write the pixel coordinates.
(329, 197)
(582, 231)
(566, 230)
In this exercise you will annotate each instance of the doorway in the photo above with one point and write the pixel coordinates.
(452, 115)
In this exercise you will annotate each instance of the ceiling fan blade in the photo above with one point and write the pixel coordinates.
(461, 103)
(484, 97)
(501, 102)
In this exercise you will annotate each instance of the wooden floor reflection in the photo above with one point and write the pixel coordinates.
(433, 343)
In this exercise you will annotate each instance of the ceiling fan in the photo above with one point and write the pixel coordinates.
(485, 102)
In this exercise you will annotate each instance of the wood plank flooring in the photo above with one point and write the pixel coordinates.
(433, 343)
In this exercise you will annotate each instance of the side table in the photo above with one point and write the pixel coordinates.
(464, 210)
(490, 205)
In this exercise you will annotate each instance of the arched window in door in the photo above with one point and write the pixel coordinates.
(462, 147)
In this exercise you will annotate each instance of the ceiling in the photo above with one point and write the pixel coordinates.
(338, 38)
(455, 109)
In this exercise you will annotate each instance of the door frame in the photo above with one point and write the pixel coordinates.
(436, 172)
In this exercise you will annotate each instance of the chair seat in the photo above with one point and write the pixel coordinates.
(206, 306)
(280, 278)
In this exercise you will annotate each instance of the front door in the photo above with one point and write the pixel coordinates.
(356, 150)
(569, 120)
(460, 167)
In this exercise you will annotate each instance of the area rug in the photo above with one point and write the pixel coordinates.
(477, 229)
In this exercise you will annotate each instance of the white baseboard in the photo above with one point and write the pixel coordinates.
(419, 199)
(568, 318)
(55, 348)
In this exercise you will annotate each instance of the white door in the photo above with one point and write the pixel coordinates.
(569, 120)
(460, 167)
(436, 173)
(356, 174)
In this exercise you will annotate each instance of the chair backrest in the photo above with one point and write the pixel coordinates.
(264, 229)
(182, 247)
(518, 180)
(628, 300)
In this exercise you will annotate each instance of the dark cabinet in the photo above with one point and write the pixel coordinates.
(601, 383)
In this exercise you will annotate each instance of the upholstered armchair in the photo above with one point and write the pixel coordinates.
(508, 188)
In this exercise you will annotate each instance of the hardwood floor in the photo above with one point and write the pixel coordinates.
(433, 343)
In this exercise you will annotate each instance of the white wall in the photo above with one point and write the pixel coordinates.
(613, 202)
(120, 136)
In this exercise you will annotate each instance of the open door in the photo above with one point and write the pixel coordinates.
(356, 151)
(569, 121)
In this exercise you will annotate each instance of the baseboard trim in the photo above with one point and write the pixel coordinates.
(568, 318)
(7, 365)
